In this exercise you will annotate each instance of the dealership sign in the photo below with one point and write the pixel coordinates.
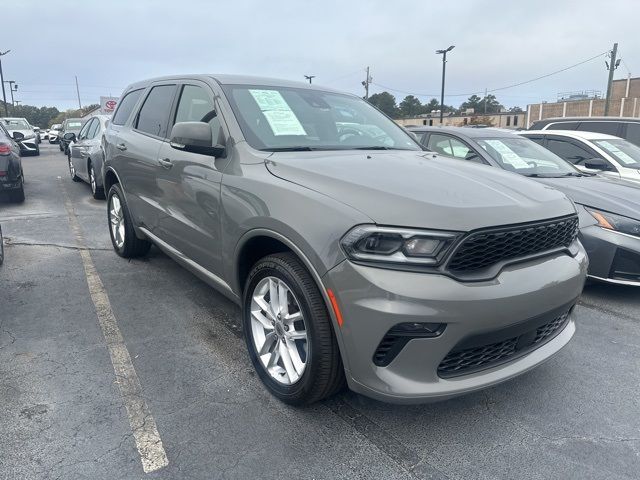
(108, 105)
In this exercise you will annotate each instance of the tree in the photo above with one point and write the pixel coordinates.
(36, 116)
(410, 106)
(385, 102)
(73, 113)
(490, 104)
(516, 110)
(474, 102)
(433, 105)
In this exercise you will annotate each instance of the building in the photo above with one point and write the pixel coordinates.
(624, 103)
(500, 120)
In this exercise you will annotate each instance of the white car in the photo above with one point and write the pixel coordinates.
(592, 152)
(54, 131)
(23, 133)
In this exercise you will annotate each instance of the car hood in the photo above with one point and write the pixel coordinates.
(610, 194)
(418, 189)
(26, 132)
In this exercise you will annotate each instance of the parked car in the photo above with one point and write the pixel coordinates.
(623, 127)
(86, 155)
(54, 132)
(23, 133)
(1, 247)
(352, 251)
(592, 152)
(44, 134)
(608, 209)
(11, 175)
(70, 125)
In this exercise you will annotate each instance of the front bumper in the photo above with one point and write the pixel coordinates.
(29, 145)
(613, 257)
(53, 137)
(373, 300)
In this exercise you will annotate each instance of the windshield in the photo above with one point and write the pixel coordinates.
(74, 125)
(280, 119)
(526, 157)
(17, 124)
(623, 151)
(56, 126)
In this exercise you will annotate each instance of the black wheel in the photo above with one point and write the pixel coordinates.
(123, 236)
(17, 195)
(37, 152)
(96, 191)
(72, 170)
(288, 332)
(60, 146)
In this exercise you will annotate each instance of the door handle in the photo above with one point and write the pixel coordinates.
(165, 162)
(121, 146)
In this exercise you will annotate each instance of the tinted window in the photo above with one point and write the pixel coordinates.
(125, 106)
(93, 130)
(562, 126)
(154, 114)
(633, 133)
(84, 132)
(610, 128)
(196, 106)
(569, 151)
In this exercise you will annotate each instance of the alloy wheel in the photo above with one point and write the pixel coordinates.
(92, 179)
(279, 331)
(72, 169)
(116, 221)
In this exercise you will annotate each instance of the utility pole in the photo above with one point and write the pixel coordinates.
(11, 82)
(4, 95)
(611, 66)
(78, 92)
(444, 63)
(309, 77)
(365, 84)
(485, 101)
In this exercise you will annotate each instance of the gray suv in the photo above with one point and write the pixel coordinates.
(354, 254)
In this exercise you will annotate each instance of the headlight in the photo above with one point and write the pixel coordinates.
(370, 243)
(618, 223)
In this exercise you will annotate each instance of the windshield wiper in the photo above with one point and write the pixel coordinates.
(374, 147)
(290, 149)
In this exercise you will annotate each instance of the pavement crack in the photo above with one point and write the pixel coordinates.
(10, 242)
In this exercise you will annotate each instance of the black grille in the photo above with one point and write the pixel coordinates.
(486, 248)
(470, 360)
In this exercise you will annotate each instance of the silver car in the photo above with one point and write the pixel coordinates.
(85, 155)
(353, 253)
(23, 133)
(53, 133)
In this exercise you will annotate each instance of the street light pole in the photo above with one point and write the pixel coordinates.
(4, 95)
(11, 82)
(444, 64)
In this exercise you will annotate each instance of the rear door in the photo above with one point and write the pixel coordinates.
(190, 182)
(139, 146)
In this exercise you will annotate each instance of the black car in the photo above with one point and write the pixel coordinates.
(11, 176)
(623, 127)
(70, 125)
(608, 209)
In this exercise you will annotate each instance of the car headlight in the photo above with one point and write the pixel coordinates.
(618, 223)
(370, 243)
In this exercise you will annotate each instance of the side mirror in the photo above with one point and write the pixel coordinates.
(195, 137)
(596, 164)
(69, 137)
(18, 136)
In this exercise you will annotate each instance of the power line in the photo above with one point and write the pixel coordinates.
(499, 88)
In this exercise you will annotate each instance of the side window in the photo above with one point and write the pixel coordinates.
(539, 140)
(453, 147)
(440, 144)
(82, 134)
(561, 126)
(569, 151)
(419, 136)
(125, 106)
(633, 133)
(610, 128)
(195, 105)
(93, 130)
(153, 117)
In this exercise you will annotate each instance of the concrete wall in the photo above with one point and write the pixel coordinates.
(503, 120)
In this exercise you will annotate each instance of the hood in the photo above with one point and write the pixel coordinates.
(605, 193)
(418, 189)
(26, 132)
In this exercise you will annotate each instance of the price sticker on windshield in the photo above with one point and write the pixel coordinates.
(508, 155)
(281, 119)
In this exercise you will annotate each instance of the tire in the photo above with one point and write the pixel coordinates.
(37, 152)
(96, 191)
(60, 146)
(17, 196)
(323, 373)
(130, 246)
(72, 170)
(1, 247)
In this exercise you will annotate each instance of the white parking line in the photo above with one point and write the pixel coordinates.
(143, 425)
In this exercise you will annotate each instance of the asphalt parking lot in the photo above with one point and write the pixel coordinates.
(64, 415)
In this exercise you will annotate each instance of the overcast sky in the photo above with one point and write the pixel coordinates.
(109, 44)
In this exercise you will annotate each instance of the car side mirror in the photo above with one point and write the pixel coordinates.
(69, 137)
(18, 136)
(596, 164)
(195, 137)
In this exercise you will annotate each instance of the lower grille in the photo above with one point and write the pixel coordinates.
(469, 360)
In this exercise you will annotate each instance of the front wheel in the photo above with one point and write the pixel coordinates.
(288, 332)
(123, 236)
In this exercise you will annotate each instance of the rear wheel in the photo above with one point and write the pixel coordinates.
(17, 195)
(96, 191)
(288, 332)
(123, 236)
